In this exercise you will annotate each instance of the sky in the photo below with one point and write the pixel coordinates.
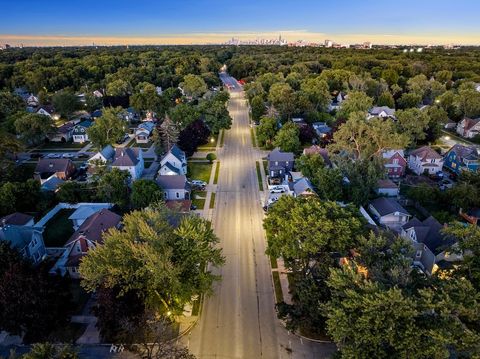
(120, 22)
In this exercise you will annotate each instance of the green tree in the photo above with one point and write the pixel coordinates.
(467, 101)
(33, 128)
(356, 101)
(183, 115)
(281, 96)
(309, 164)
(50, 351)
(300, 229)
(113, 187)
(147, 99)
(391, 76)
(9, 105)
(386, 99)
(74, 192)
(409, 100)
(118, 87)
(443, 76)
(107, 129)
(366, 139)
(215, 115)
(317, 92)
(328, 183)
(363, 176)
(267, 80)
(287, 138)
(253, 89)
(193, 86)
(413, 122)
(144, 193)
(258, 108)
(438, 117)
(167, 264)
(65, 103)
(266, 131)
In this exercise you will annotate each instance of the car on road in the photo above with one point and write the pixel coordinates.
(53, 155)
(81, 155)
(277, 189)
(68, 155)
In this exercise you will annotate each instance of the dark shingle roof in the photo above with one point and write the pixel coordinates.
(16, 218)
(385, 206)
(172, 182)
(52, 165)
(126, 157)
(95, 225)
(277, 155)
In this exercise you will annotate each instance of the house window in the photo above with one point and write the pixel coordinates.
(286, 163)
(418, 254)
(178, 195)
(276, 163)
(166, 195)
(395, 161)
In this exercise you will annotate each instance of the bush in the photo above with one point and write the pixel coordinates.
(211, 157)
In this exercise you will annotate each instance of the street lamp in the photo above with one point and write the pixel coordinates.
(447, 138)
(212, 140)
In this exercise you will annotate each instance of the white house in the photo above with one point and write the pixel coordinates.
(173, 163)
(144, 131)
(382, 112)
(46, 111)
(62, 133)
(174, 187)
(32, 101)
(105, 155)
(80, 134)
(387, 188)
(425, 160)
(389, 212)
(130, 160)
(469, 128)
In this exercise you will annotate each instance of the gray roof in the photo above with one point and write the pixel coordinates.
(429, 233)
(277, 155)
(18, 236)
(173, 182)
(385, 206)
(172, 167)
(125, 157)
(16, 218)
(86, 210)
(52, 184)
(375, 111)
(107, 152)
(427, 259)
(465, 152)
(302, 185)
(177, 152)
(52, 165)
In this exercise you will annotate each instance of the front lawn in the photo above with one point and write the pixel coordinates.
(58, 229)
(278, 287)
(199, 171)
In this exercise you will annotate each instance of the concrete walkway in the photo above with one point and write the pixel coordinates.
(91, 334)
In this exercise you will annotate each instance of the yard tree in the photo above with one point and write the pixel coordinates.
(118, 87)
(92, 103)
(183, 115)
(168, 264)
(299, 229)
(193, 86)
(266, 131)
(467, 101)
(366, 139)
(113, 187)
(147, 99)
(328, 183)
(9, 104)
(107, 129)
(34, 312)
(443, 76)
(74, 192)
(194, 135)
(419, 85)
(409, 100)
(253, 89)
(215, 115)
(282, 96)
(437, 118)
(337, 79)
(168, 133)
(309, 164)
(9, 147)
(390, 76)
(413, 122)
(258, 108)
(144, 193)
(287, 138)
(386, 99)
(51, 351)
(363, 176)
(33, 128)
(294, 79)
(267, 80)
(356, 102)
(317, 92)
(65, 103)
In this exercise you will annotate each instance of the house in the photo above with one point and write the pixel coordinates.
(315, 149)
(389, 212)
(322, 129)
(143, 132)
(129, 159)
(382, 112)
(86, 237)
(32, 101)
(62, 133)
(27, 239)
(105, 155)
(97, 93)
(429, 243)
(46, 111)
(462, 158)
(61, 168)
(96, 114)
(280, 163)
(130, 115)
(472, 215)
(468, 128)
(477, 87)
(387, 187)
(301, 187)
(449, 125)
(79, 133)
(173, 163)
(17, 219)
(174, 187)
(85, 211)
(51, 184)
(425, 160)
(337, 101)
(394, 163)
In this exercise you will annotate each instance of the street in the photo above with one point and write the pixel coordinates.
(239, 320)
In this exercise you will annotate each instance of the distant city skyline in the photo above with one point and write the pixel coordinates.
(144, 22)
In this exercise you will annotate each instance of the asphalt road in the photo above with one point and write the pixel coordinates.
(239, 320)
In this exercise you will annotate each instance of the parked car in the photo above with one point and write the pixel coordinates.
(198, 183)
(83, 166)
(193, 207)
(277, 189)
(68, 155)
(82, 155)
(53, 155)
(437, 176)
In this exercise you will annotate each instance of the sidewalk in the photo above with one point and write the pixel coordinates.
(282, 272)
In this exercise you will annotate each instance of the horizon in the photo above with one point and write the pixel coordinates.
(109, 23)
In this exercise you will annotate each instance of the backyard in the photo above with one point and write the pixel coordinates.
(58, 229)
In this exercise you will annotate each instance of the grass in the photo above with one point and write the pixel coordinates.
(58, 229)
(199, 202)
(80, 297)
(212, 201)
(278, 287)
(217, 172)
(252, 134)
(259, 176)
(273, 262)
(199, 171)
